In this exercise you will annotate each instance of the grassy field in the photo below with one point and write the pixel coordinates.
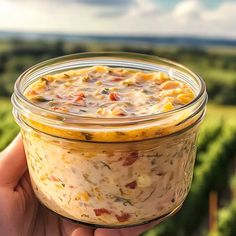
(8, 127)
(228, 113)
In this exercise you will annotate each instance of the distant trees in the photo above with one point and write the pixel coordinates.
(218, 69)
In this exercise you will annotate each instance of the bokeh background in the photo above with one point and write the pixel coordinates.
(200, 34)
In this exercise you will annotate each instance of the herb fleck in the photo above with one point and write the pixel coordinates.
(86, 177)
(120, 133)
(106, 165)
(41, 99)
(82, 110)
(149, 195)
(105, 91)
(125, 201)
(87, 136)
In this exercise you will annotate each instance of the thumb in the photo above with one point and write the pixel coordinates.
(12, 163)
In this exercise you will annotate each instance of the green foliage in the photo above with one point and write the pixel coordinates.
(226, 219)
(233, 183)
(209, 132)
(8, 127)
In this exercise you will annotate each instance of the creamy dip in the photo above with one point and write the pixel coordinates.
(110, 184)
(109, 92)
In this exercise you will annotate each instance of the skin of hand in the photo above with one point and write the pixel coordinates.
(22, 215)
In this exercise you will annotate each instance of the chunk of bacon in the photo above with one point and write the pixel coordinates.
(101, 211)
(130, 159)
(122, 218)
(63, 109)
(131, 185)
(31, 92)
(117, 79)
(79, 96)
(114, 96)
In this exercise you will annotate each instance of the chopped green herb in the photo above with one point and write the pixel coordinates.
(86, 177)
(105, 91)
(106, 165)
(69, 199)
(40, 99)
(60, 199)
(125, 201)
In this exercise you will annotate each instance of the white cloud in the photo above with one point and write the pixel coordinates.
(224, 15)
(49, 16)
(135, 8)
(193, 17)
(188, 10)
(143, 8)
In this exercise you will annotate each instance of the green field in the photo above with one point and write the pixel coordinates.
(214, 169)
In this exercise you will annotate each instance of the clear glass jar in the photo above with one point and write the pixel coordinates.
(110, 172)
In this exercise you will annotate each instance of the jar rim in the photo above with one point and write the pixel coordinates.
(20, 102)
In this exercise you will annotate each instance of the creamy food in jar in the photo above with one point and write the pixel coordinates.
(110, 176)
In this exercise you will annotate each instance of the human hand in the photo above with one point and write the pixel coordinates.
(22, 215)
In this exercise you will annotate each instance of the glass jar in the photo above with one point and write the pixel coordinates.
(110, 172)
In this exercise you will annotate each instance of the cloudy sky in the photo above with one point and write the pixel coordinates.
(211, 18)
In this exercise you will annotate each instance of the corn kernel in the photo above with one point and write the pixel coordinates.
(159, 77)
(128, 81)
(101, 111)
(84, 196)
(113, 89)
(44, 177)
(100, 69)
(163, 77)
(167, 107)
(98, 82)
(78, 196)
(190, 94)
(144, 181)
(59, 186)
(85, 77)
(185, 98)
(40, 85)
(170, 85)
(147, 75)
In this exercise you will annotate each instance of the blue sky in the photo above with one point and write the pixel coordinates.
(172, 3)
(203, 18)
